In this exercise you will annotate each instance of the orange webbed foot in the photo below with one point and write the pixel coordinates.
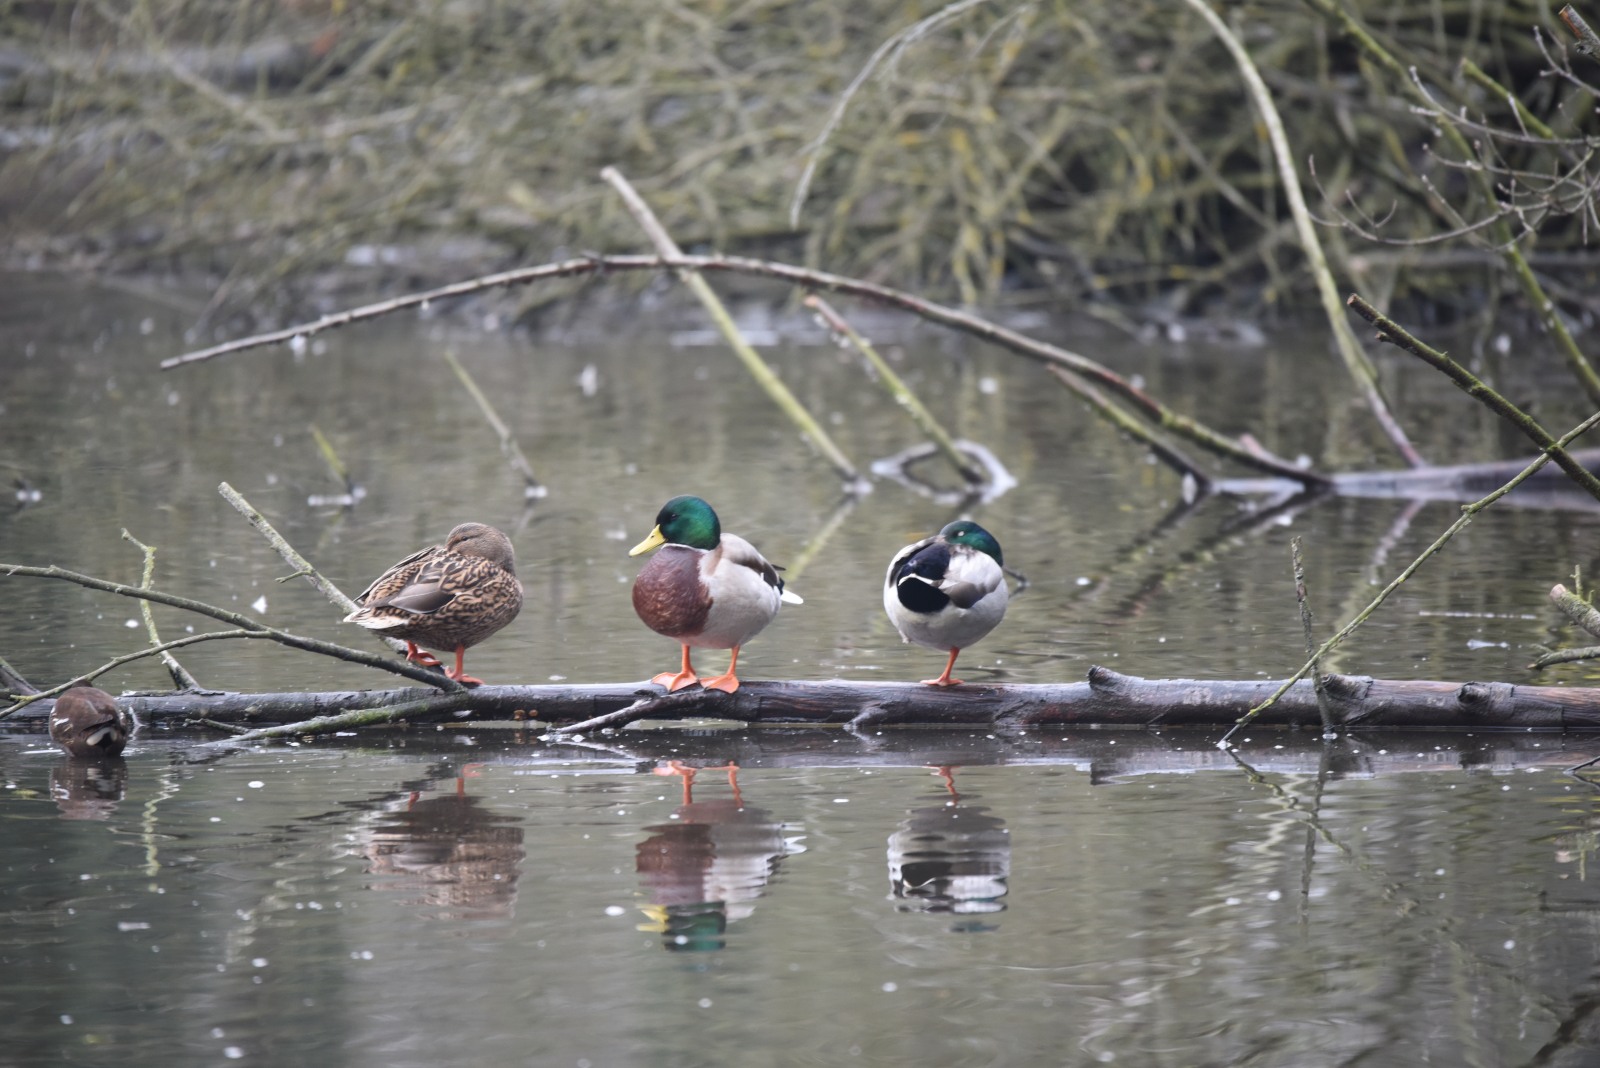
(675, 680)
(459, 673)
(728, 682)
(418, 655)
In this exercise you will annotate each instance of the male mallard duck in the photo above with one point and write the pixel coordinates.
(448, 596)
(706, 589)
(947, 591)
(86, 722)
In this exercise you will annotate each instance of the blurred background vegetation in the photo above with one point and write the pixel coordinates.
(297, 153)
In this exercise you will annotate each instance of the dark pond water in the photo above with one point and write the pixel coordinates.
(1118, 897)
(1058, 903)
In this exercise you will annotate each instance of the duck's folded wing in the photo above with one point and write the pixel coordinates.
(391, 573)
(969, 578)
(430, 591)
(740, 553)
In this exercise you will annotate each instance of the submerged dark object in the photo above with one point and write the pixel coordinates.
(86, 722)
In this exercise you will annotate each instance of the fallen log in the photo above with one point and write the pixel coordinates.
(1106, 698)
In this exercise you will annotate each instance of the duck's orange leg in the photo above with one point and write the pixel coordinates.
(679, 768)
(459, 673)
(677, 681)
(733, 781)
(945, 679)
(418, 655)
(727, 683)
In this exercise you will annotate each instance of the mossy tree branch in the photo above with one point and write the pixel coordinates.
(249, 627)
(180, 675)
(1395, 334)
(1468, 512)
(961, 321)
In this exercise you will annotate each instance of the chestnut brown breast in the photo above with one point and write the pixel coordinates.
(668, 594)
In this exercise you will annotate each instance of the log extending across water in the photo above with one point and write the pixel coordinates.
(1106, 698)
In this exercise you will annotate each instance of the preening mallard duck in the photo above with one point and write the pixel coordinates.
(86, 722)
(704, 589)
(947, 591)
(447, 597)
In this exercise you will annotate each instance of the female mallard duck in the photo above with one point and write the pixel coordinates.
(947, 591)
(86, 722)
(706, 589)
(448, 597)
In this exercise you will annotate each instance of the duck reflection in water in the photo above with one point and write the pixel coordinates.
(706, 868)
(449, 853)
(88, 789)
(952, 857)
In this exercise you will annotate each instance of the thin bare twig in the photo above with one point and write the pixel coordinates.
(1355, 361)
(893, 46)
(1468, 512)
(245, 623)
(964, 322)
(780, 394)
(353, 492)
(1395, 334)
(160, 649)
(12, 682)
(1323, 704)
(896, 387)
(302, 566)
(180, 675)
(532, 488)
(1167, 452)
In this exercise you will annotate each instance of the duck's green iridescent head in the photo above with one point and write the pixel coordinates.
(966, 532)
(683, 521)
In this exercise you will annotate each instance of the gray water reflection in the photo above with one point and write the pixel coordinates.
(446, 853)
(707, 866)
(88, 788)
(950, 856)
(447, 896)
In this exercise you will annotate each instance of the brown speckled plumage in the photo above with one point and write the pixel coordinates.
(86, 722)
(448, 597)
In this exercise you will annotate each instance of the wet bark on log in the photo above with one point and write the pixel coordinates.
(1106, 698)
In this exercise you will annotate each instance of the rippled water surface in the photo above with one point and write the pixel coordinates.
(479, 896)
(400, 904)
